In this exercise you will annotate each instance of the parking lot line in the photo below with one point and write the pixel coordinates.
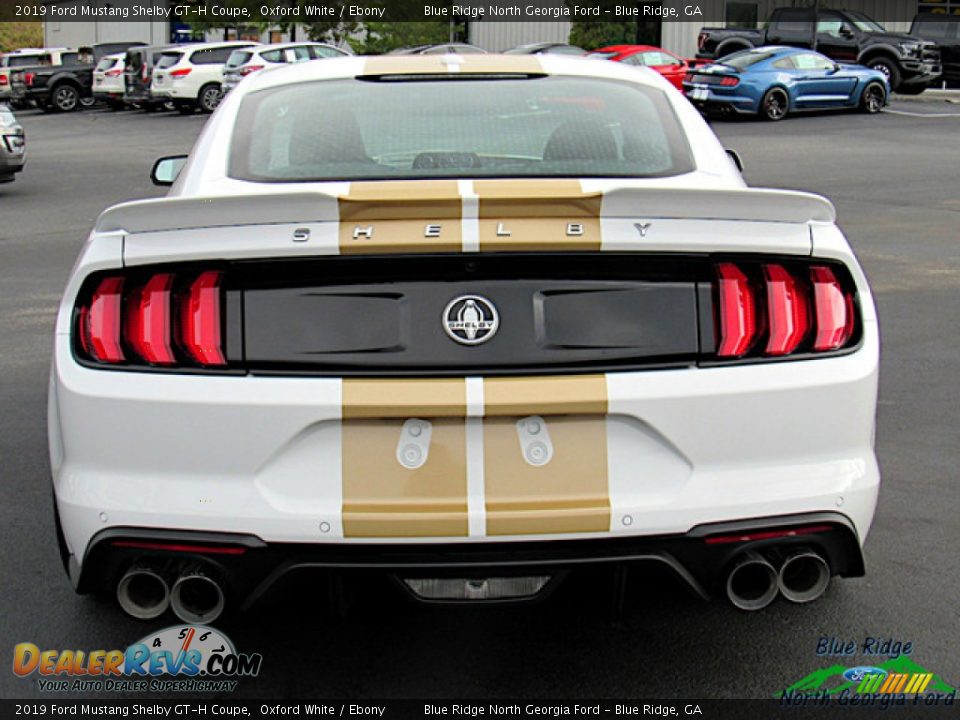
(925, 115)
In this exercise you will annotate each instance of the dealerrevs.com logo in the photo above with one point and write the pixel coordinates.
(182, 658)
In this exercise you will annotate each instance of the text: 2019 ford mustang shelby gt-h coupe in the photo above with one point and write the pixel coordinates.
(467, 322)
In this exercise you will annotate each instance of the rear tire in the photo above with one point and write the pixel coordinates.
(889, 68)
(775, 104)
(873, 98)
(65, 98)
(209, 97)
(87, 102)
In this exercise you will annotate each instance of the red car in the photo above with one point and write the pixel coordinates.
(673, 68)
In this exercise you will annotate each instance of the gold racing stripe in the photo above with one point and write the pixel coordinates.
(381, 497)
(392, 216)
(570, 493)
(537, 214)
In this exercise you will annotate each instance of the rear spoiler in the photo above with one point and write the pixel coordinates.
(181, 213)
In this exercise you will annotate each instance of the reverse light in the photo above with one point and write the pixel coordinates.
(738, 319)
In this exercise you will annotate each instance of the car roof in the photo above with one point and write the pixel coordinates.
(628, 48)
(290, 44)
(456, 66)
(190, 47)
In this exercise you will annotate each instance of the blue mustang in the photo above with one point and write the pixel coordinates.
(772, 81)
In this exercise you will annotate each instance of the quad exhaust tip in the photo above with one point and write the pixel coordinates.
(197, 598)
(143, 594)
(804, 576)
(752, 583)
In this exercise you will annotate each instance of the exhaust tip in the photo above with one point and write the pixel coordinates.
(804, 576)
(752, 583)
(143, 594)
(197, 598)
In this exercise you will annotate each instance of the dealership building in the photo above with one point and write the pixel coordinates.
(677, 36)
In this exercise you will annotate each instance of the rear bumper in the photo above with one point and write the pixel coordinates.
(248, 567)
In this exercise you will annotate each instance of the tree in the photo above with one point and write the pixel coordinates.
(14, 35)
(381, 37)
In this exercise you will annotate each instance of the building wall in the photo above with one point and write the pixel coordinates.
(74, 34)
(500, 36)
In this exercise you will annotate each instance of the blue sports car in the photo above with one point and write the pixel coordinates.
(773, 81)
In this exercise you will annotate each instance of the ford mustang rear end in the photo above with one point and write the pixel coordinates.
(469, 323)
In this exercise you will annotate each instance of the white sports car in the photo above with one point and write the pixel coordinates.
(469, 322)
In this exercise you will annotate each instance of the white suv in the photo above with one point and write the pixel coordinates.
(245, 61)
(190, 75)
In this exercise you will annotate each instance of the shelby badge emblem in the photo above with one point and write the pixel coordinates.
(470, 319)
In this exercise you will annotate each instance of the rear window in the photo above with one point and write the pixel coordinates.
(168, 60)
(20, 60)
(238, 58)
(745, 58)
(413, 128)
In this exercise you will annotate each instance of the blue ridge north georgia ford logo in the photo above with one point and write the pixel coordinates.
(470, 319)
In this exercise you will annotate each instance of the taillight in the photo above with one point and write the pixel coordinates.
(28, 79)
(148, 320)
(774, 310)
(114, 73)
(730, 81)
(786, 311)
(182, 72)
(200, 320)
(250, 69)
(738, 317)
(3, 79)
(144, 73)
(162, 319)
(701, 41)
(834, 308)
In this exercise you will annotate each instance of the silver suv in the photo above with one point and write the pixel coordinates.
(249, 60)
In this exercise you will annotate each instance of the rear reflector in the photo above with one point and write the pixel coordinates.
(766, 535)
(201, 320)
(101, 322)
(787, 311)
(178, 547)
(738, 321)
(834, 310)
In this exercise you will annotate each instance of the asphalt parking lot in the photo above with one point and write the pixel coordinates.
(893, 178)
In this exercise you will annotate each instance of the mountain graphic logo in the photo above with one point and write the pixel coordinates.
(896, 675)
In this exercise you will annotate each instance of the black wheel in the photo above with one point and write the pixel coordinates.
(65, 98)
(209, 97)
(873, 98)
(185, 108)
(888, 68)
(775, 104)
